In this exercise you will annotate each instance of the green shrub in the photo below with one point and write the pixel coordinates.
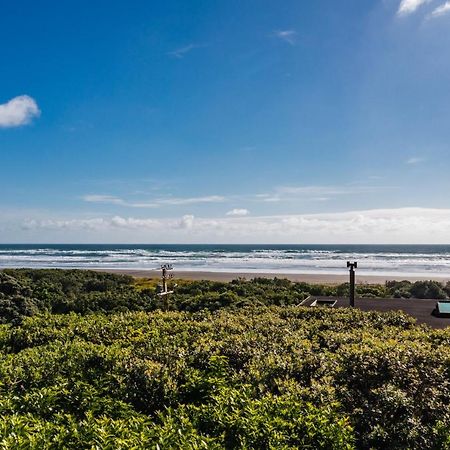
(278, 377)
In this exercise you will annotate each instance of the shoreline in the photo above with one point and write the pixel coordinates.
(312, 278)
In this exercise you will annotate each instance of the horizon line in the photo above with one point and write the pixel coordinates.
(253, 244)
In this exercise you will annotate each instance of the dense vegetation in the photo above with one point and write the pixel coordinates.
(228, 370)
(26, 292)
(257, 378)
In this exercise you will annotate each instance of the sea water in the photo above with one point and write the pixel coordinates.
(392, 260)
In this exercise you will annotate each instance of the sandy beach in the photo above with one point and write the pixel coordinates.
(307, 278)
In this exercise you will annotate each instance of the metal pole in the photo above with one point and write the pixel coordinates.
(352, 267)
(164, 280)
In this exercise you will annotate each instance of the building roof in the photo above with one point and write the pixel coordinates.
(421, 309)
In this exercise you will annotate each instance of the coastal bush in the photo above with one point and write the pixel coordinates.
(27, 292)
(418, 289)
(428, 289)
(230, 365)
(254, 377)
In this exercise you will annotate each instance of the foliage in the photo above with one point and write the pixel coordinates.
(233, 365)
(255, 378)
(419, 289)
(26, 292)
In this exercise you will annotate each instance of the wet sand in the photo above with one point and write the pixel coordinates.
(308, 278)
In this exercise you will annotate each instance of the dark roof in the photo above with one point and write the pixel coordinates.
(421, 309)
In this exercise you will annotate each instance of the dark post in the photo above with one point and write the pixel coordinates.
(164, 278)
(352, 266)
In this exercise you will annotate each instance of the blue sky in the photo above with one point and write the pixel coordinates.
(225, 121)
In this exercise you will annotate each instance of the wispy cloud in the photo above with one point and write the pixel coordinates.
(289, 36)
(319, 193)
(325, 191)
(313, 190)
(415, 160)
(112, 200)
(18, 111)
(191, 200)
(131, 223)
(181, 52)
(238, 212)
(440, 10)
(403, 225)
(103, 224)
(409, 6)
(94, 198)
(288, 193)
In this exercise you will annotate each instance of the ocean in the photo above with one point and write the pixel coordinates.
(385, 260)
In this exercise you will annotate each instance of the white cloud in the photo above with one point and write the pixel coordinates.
(288, 36)
(191, 200)
(441, 10)
(403, 225)
(183, 51)
(279, 194)
(142, 205)
(415, 160)
(18, 111)
(113, 200)
(132, 223)
(187, 221)
(94, 224)
(316, 192)
(319, 191)
(94, 198)
(238, 212)
(410, 6)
